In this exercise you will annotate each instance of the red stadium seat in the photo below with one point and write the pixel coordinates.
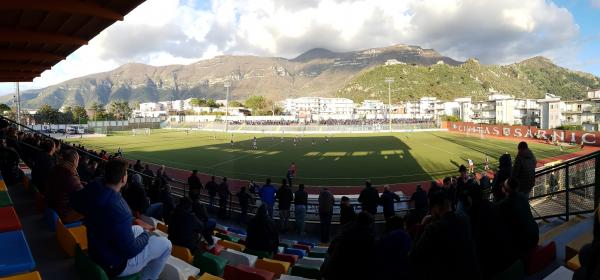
(539, 258)
(247, 273)
(10, 220)
(302, 247)
(292, 259)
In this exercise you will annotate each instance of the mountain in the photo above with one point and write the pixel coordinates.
(531, 78)
(316, 72)
(357, 75)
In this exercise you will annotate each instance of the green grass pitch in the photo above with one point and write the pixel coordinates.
(348, 159)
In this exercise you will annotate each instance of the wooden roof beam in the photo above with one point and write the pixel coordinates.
(15, 79)
(20, 35)
(89, 8)
(8, 73)
(29, 55)
(5, 65)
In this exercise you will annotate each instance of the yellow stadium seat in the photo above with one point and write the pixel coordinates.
(573, 263)
(232, 245)
(275, 266)
(2, 186)
(68, 238)
(25, 276)
(182, 253)
(208, 276)
(162, 227)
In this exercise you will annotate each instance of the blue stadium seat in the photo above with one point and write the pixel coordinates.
(237, 230)
(15, 256)
(293, 251)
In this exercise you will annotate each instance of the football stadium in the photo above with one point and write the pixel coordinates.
(264, 140)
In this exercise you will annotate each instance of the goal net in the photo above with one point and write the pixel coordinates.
(140, 131)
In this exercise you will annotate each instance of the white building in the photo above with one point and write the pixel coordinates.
(506, 109)
(550, 111)
(305, 107)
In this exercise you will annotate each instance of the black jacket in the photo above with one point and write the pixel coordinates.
(351, 254)
(285, 197)
(347, 214)
(262, 233)
(243, 198)
(184, 228)
(44, 163)
(503, 173)
(195, 186)
(524, 170)
(523, 231)
(300, 198)
(447, 244)
(211, 187)
(136, 198)
(369, 197)
(388, 199)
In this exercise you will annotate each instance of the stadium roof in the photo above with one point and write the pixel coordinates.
(37, 34)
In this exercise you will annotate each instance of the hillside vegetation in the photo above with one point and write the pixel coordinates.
(531, 78)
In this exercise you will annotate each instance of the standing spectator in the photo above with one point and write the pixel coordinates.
(392, 251)
(262, 233)
(195, 185)
(63, 182)
(326, 202)
(369, 198)
(244, 200)
(43, 164)
(267, 196)
(253, 187)
(388, 199)
(211, 187)
(138, 166)
(185, 228)
(503, 173)
(300, 204)
(524, 168)
(285, 197)
(418, 201)
(352, 252)
(113, 243)
(523, 231)
(446, 242)
(149, 175)
(224, 194)
(347, 213)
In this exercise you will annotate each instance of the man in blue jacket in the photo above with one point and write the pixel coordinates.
(118, 247)
(267, 196)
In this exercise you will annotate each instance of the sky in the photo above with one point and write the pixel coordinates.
(162, 32)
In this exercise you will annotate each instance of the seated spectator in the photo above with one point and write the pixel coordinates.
(43, 164)
(63, 182)
(262, 234)
(523, 232)
(391, 251)
(9, 163)
(185, 228)
(168, 202)
(347, 213)
(446, 249)
(388, 199)
(494, 250)
(149, 176)
(352, 252)
(202, 215)
(118, 247)
(136, 198)
(589, 255)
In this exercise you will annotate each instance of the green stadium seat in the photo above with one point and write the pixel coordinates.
(306, 271)
(317, 254)
(210, 263)
(5, 199)
(91, 271)
(515, 272)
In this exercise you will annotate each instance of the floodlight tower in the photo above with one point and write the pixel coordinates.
(389, 81)
(227, 84)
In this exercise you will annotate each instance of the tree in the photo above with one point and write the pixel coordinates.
(195, 102)
(98, 110)
(120, 109)
(212, 103)
(79, 114)
(256, 103)
(4, 108)
(47, 114)
(235, 103)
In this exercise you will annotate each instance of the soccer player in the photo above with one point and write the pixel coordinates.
(231, 141)
(291, 173)
(295, 141)
(281, 139)
(471, 165)
(327, 139)
(254, 143)
(313, 141)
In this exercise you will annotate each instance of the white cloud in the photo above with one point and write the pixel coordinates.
(163, 32)
(595, 3)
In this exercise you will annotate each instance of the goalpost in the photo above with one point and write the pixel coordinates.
(140, 131)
